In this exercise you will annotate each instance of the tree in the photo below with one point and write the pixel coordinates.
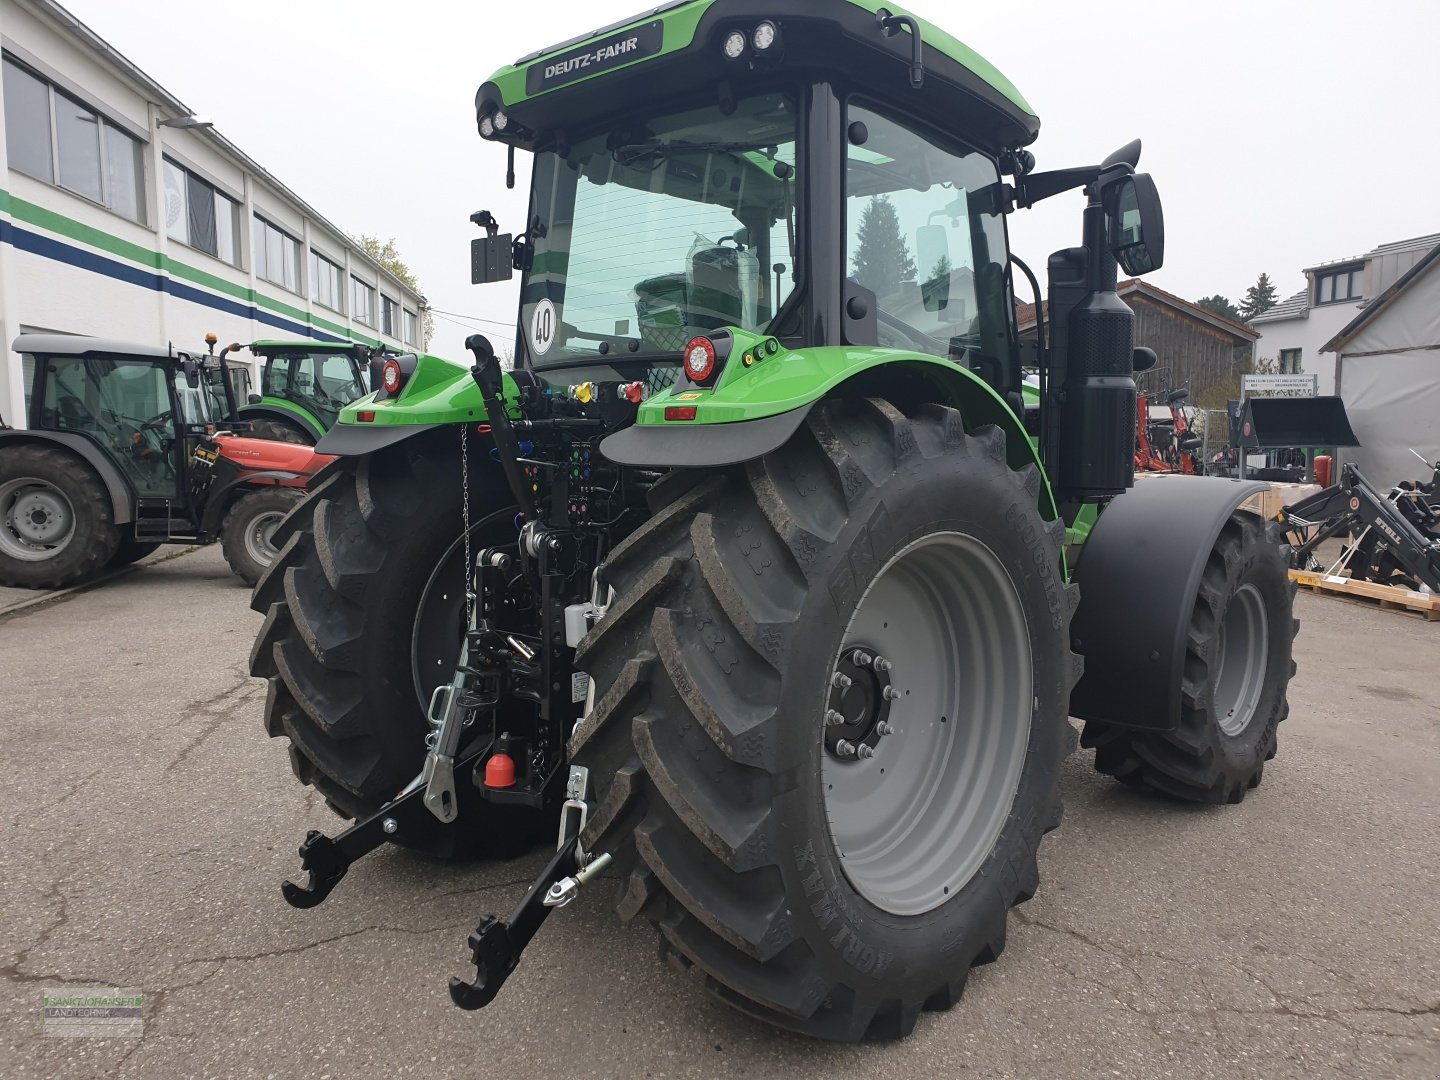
(882, 257)
(1220, 305)
(1259, 298)
(388, 256)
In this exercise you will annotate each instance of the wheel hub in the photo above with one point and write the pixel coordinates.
(36, 520)
(858, 710)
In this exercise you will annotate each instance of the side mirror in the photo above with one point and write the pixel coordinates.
(932, 249)
(492, 258)
(1137, 225)
(192, 373)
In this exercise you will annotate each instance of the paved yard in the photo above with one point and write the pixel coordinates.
(147, 824)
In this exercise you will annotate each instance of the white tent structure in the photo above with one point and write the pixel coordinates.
(1388, 372)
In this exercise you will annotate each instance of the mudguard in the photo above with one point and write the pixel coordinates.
(1139, 574)
(121, 501)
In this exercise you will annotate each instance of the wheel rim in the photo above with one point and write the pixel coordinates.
(37, 521)
(260, 535)
(1244, 652)
(935, 722)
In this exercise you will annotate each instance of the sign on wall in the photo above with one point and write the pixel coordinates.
(1280, 385)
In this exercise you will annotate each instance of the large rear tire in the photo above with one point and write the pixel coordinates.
(280, 431)
(363, 618)
(56, 528)
(1237, 668)
(835, 889)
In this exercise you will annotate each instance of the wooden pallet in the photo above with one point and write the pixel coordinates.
(1389, 597)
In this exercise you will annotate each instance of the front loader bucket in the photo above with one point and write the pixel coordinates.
(1300, 422)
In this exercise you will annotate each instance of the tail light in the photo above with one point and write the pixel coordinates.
(391, 377)
(700, 359)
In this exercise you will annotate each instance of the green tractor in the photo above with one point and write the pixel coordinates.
(763, 572)
(304, 385)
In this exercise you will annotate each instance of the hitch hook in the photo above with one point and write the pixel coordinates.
(322, 861)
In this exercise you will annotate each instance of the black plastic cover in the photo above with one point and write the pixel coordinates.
(1139, 574)
(682, 445)
(352, 440)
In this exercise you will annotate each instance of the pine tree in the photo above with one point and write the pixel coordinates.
(882, 257)
(1259, 298)
(1220, 305)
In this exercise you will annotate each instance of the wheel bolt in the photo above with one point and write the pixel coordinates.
(845, 748)
(866, 750)
(891, 693)
(881, 664)
(884, 728)
(861, 658)
(834, 717)
(390, 825)
(840, 681)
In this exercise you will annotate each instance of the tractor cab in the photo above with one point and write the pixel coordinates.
(304, 385)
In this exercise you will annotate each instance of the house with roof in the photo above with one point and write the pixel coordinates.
(1294, 332)
(1195, 348)
(1386, 361)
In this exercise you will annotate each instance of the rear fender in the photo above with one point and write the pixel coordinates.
(1139, 574)
(218, 500)
(121, 500)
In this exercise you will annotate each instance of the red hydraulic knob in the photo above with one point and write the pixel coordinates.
(500, 771)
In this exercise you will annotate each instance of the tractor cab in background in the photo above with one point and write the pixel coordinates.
(305, 384)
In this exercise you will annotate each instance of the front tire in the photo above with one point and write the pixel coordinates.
(1237, 669)
(56, 528)
(247, 534)
(280, 431)
(834, 892)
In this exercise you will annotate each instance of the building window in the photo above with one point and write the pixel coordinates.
(389, 317)
(1290, 362)
(277, 255)
(412, 328)
(326, 282)
(1338, 286)
(362, 307)
(80, 150)
(199, 216)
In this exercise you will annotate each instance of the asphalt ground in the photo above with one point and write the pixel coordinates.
(148, 822)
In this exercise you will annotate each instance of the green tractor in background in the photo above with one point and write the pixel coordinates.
(765, 571)
(304, 385)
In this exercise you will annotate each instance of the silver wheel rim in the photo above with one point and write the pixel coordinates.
(37, 521)
(1244, 652)
(917, 793)
(259, 536)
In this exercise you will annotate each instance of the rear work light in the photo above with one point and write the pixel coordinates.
(392, 377)
(700, 358)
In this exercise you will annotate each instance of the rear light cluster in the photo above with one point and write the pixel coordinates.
(700, 359)
(393, 375)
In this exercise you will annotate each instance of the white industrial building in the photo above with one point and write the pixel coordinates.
(124, 215)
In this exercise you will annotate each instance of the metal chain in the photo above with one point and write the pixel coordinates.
(465, 523)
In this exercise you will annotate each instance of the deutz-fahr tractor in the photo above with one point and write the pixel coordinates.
(124, 451)
(305, 384)
(763, 572)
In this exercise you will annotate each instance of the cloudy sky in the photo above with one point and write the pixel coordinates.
(1282, 133)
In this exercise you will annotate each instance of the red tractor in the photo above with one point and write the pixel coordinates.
(124, 451)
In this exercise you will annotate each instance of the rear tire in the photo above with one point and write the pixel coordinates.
(736, 608)
(280, 431)
(349, 605)
(130, 551)
(246, 537)
(1237, 668)
(56, 527)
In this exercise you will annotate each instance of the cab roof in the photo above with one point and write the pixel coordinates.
(80, 345)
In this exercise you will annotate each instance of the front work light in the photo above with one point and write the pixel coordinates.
(765, 36)
(501, 120)
(487, 127)
(734, 45)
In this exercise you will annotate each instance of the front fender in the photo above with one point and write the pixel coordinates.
(1139, 574)
(217, 500)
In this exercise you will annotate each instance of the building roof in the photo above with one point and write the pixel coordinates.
(1376, 307)
(1395, 247)
(1025, 313)
(1289, 308)
(108, 54)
